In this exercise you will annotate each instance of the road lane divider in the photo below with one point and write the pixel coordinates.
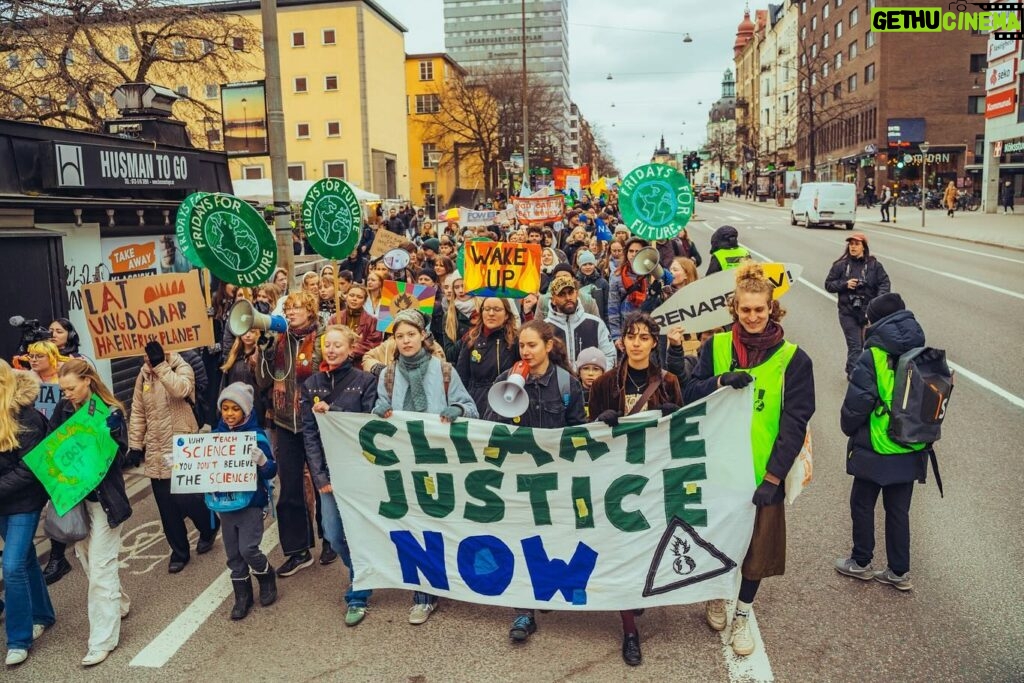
(945, 247)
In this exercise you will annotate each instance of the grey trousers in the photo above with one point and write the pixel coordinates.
(242, 531)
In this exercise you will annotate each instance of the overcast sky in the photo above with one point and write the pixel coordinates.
(659, 84)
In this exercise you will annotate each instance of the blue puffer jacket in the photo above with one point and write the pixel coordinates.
(895, 334)
(268, 469)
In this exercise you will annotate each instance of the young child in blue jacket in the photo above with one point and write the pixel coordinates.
(241, 513)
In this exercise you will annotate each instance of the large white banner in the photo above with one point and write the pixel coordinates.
(654, 512)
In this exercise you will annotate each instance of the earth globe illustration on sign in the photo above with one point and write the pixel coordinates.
(334, 220)
(655, 202)
(232, 241)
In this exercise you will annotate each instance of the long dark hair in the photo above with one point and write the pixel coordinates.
(846, 253)
(558, 355)
(73, 339)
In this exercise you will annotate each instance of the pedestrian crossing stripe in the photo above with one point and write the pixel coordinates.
(683, 558)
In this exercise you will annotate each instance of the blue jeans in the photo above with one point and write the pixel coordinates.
(28, 601)
(334, 533)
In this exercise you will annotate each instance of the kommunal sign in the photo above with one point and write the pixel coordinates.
(652, 512)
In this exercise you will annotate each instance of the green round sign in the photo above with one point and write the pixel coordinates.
(181, 233)
(656, 201)
(332, 217)
(232, 240)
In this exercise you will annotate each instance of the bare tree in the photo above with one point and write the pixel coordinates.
(721, 146)
(63, 57)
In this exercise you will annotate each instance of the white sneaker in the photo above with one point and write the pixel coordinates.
(420, 613)
(94, 657)
(714, 613)
(37, 631)
(742, 640)
(16, 657)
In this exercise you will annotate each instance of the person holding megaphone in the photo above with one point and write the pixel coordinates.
(638, 284)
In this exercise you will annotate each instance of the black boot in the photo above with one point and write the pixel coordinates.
(631, 649)
(55, 570)
(243, 598)
(268, 586)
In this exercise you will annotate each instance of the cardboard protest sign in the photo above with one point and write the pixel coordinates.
(656, 201)
(703, 304)
(384, 241)
(509, 270)
(398, 296)
(539, 209)
(652, 512)
(208, 463)
(122, 315)
(74, 458)
(49, 395)
(333, 218)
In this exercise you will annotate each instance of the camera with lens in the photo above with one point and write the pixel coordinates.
(857, 302)
(31, 332)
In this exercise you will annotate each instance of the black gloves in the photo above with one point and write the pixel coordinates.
(155, 353)
(609, 417)
(115, 422)
(764, 494)
(736, 380)
(668, 408)
(135, 457)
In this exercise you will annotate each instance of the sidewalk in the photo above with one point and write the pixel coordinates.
(998, 229)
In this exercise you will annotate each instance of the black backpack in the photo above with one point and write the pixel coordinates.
(920, 396)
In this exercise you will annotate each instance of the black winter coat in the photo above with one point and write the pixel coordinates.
(798, 406)
(895, 334)
(480, 364)
(872, 281)
(110, 493)
(20, 491)
(346, 389)
(547, 407)
(599, 291)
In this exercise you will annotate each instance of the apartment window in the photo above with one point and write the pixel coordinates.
(814, 50)
(428, 147)
(98, 98)
(19, 105)
(207, 46)
(851, 83)
(427, 104)
(302, 130)
(803, 7)
(12, 61)
(327, 36)
(40, 60)
(837, 91)
(803, 33)
(824, 13)
(69, 57)
(824, 41)
(123, 53)
(44, 102)
(252, 172)
(299, 84)
(178, 49)
(976, 104)
(298, 39)
(839, 3)
(854, 16)
(213, 136)
(869, 73)
(803, 59)
(426, 70)
(824, 70)
(334, 169)
(238, 45)
(333, 129)
(296, 171)
(978, 63)
(210, 91)
(71, 102)
(839, 29)
(814, 23)
(330, 83)
(838, 62)
(182, 90)
(869, 39)
(853, 50)
(785, 104)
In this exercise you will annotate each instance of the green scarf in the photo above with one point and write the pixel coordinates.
(414, 370)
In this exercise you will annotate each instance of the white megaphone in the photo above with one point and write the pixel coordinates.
(243, 317)
(509, 398)
(396, 259)
(647, 262)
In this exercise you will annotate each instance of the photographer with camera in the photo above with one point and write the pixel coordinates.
(856, 277)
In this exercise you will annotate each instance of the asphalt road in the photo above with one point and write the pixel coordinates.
(962, 622)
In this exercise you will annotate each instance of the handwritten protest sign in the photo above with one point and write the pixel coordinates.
(575, 178)
(123, 315)
(539, 209)
(220, 462)
(49, 395)
(509, 270)
(74, 458)
(472, 218)
(653, 512)
(385, 241)
(398, 296)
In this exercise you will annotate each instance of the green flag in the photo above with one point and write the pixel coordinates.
(73, 460)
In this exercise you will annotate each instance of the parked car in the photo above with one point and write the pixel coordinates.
(708, 193)
(825, 204)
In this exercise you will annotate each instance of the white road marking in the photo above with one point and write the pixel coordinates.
(160, 650)
(948, 247)
(961, 278)
(755, 667)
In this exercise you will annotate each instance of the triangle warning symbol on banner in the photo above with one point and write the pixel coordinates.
(683, 558)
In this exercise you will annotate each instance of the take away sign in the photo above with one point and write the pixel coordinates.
(508, 270)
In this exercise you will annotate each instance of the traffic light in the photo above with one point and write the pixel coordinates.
(692, 162)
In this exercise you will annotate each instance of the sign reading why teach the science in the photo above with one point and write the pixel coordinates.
(208, 463)
(509, 270)
(123, 315)
(651, 512)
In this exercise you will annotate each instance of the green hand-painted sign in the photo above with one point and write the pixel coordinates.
(181, 232)
(73, 460)
(656, 201)
(333, 218)
(232, 240)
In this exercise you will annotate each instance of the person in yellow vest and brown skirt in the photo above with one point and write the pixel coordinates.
(879, 464)
(756, 351)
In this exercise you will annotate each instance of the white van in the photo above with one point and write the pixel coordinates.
(825, 204)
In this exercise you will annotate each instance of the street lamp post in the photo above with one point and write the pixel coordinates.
(924, 147)
(434, 157)
(245, 124)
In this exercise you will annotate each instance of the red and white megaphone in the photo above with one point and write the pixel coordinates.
(509, 398)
